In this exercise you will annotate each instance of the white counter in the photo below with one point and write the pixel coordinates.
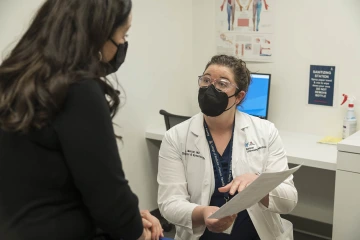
(156, 132)
(350, 144)
(300, 148)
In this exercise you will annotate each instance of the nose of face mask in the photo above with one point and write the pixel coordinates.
(212, 102)
(118, 59)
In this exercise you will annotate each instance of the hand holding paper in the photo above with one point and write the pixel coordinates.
(252, 194)
(217, 225)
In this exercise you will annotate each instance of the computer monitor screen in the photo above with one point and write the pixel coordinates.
(256, 101)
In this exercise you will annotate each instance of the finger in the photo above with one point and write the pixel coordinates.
(211, 223)
(230, 220)
(232, 217)
(148, 234)
(146, 223)
(214, 229)
(234, 187)
(145, 214)
(155, 228)
(153, 234)
(223, 226)
(242, 185)
(225, 188)
(222, 222)
(159, 231)
(157, 234)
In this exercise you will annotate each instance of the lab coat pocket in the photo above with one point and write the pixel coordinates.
(281, 228)
(195, 175)
(271, 222)
(288, 230)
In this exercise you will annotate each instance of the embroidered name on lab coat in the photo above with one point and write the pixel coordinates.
(192, 153)
(251, 147)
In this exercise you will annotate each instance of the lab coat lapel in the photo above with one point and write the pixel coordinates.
(197, 128)
(239, 156)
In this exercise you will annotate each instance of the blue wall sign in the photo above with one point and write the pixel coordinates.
(321, 86)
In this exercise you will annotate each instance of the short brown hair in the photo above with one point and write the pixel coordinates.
(238, 67)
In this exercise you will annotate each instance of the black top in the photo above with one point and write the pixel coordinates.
(65, 180)
(243, 227)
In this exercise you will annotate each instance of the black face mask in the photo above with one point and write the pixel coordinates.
(212, 102)
(119, 58)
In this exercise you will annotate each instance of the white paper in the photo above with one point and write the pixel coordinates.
(253, 193)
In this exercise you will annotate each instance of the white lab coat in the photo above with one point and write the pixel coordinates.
(186, 177)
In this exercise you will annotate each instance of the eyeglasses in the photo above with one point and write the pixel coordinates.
(222, 85)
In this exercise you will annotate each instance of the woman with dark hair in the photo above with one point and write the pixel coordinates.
(60, 172)
(206, 160)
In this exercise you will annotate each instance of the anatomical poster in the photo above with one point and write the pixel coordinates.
(244, 28)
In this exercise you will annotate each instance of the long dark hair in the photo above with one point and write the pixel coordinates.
(60, 48)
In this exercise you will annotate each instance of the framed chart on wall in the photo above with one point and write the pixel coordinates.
(244, 28)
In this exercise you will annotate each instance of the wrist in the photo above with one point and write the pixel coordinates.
(198, 217)
(203, 213)
(265, 201)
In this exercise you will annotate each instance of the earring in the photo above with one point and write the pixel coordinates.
(100, 56)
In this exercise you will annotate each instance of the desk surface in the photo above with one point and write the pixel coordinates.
(300, 148)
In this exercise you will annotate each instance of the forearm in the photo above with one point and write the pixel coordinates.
(176, 211)
(198, 216)
(283, 199)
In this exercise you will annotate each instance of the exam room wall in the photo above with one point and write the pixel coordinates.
(321, 32)
(154, 76)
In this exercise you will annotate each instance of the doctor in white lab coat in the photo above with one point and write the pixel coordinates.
(190, 170)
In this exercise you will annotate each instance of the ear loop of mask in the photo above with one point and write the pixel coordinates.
(114, 42)
(234, 102)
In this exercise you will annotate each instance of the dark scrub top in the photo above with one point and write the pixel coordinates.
(243, 227)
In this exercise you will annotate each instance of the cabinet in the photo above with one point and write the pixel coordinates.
(347, 190)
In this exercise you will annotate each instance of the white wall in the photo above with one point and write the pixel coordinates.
(321, 32)
(15, 16)
(154, 76)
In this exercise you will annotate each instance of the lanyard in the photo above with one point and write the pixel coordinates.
(216, 159)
